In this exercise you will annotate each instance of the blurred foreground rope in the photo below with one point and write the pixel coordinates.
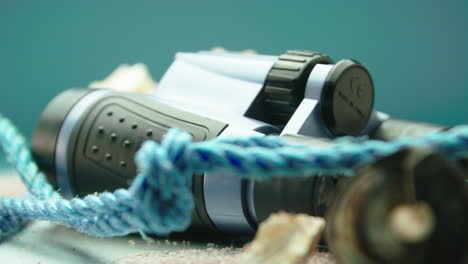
(160, 201)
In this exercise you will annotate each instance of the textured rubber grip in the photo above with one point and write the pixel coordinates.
(285, 83)
(114, 128)
(104, 139)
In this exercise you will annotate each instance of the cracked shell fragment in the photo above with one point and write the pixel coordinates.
(284, 238)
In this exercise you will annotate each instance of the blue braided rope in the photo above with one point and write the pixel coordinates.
(18, 154)
(160, 200)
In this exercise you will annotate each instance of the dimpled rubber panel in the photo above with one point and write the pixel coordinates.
(114, 131)
(115, 136)
(101, 155)
(285, 83)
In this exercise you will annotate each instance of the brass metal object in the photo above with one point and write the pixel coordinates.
(411, 207)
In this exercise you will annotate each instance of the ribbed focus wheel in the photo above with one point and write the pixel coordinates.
(285, 83)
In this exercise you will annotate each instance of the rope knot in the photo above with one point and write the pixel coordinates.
(162, 188)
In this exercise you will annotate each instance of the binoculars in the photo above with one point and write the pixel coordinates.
(86, 139)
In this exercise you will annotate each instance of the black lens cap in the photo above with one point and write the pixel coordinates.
(347, 98)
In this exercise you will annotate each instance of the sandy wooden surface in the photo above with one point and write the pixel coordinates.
(44, 242)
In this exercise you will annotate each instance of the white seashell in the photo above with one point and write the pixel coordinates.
(128, 78)
(284, 238)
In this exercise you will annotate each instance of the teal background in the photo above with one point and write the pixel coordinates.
(415, 50)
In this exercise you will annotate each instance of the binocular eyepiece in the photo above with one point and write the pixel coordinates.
(300, 92)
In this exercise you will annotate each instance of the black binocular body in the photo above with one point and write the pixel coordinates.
(86, 139)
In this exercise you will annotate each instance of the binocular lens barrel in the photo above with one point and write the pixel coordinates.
(86, 140)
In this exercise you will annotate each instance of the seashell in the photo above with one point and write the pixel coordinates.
(284, 238)
(128, 78)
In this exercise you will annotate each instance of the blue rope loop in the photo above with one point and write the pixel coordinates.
(160, 201)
